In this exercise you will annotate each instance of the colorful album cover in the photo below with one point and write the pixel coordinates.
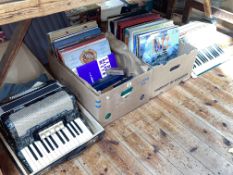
(131, 33)
(153, 29)
(128, 31)
(85, 52)
(95, 70)
(157, 48)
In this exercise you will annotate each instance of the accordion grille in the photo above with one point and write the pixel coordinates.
(41, 111)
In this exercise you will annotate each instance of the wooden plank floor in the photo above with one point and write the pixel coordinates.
(187, 131)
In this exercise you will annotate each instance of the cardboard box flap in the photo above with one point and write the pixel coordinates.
(125, 58)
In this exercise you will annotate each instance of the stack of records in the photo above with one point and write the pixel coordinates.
(152, 39)
(85, 50)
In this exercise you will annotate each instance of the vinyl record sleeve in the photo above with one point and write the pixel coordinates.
(142, 30)
(122, 16)
(134, 21)
(159, 47)
(85, 52)
(95, 70)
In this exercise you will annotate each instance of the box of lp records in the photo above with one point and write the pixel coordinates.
(112, 95)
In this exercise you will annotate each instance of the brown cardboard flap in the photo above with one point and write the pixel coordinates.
(125, 58)
(25, 67)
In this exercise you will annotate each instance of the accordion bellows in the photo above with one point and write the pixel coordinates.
(36, 113)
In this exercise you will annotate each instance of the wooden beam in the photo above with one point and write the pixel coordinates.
(222, 15)
(43, 8)
(170, 7)
(13, 48)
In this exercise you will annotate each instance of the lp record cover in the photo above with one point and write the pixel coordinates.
(157, 48)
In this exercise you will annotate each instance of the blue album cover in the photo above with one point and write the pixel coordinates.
(158, 48)
(95, 70)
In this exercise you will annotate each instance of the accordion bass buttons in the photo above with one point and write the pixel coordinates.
(51, 130)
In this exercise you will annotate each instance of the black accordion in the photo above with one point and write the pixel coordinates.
(45, 126)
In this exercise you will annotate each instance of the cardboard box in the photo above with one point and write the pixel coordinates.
(109, 106)
(164, 77)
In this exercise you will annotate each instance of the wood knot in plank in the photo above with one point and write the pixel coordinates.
(113, 142)
(162, 133)
(208, 104)
(63, 171)
(148, 156)
(182, 83)
(205, 131)
(193, 149)
(221, 75)
(156, 148)
(226, 142)
(112, 125)
(224, 124)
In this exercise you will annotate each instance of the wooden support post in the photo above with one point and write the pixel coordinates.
(13, 48)
(170, 7)
(207, 8)
(188, 7)
(187, 10)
